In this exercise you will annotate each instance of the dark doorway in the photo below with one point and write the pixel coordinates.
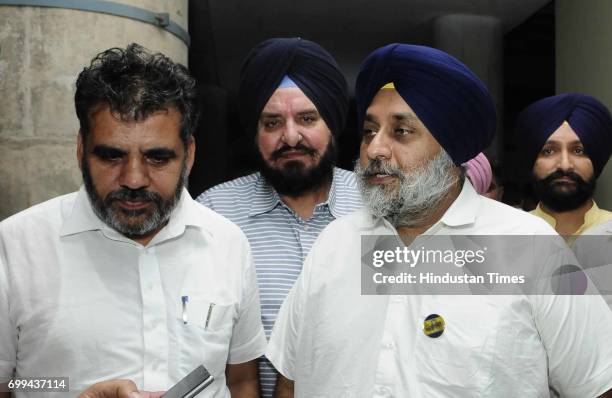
(529, 75)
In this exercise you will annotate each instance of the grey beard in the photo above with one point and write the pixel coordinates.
(420, 192)
(159, 215)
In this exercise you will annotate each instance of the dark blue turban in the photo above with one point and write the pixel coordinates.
(312, 68)
(589, 118)
(450, 100)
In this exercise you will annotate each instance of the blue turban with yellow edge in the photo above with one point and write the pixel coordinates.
(446, 96)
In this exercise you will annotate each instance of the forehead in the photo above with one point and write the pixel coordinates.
(288, 100)
(159, 128)
(565, 134)
(388, 102)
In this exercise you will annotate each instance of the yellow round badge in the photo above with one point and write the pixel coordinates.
(433, 326)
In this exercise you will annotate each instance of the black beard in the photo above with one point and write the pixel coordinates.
(294, 179)
(161, 211)
(559, 200)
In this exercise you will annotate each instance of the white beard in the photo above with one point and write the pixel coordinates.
(419, 194)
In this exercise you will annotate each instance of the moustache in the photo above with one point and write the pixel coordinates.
(380, 167)
(140, 194)
(560, 174)
(286, 148)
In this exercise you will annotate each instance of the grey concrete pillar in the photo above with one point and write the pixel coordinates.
(477, 41)
(42, 50)
(584, 62)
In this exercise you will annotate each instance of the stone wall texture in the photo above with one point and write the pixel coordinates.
(42, 50)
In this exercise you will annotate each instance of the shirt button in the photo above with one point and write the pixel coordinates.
(306, 228)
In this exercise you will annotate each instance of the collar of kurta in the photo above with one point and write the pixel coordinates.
(464, 209)
(592, 217)
(266, 198)
(81, 218)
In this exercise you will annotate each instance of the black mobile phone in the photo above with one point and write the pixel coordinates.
(190, 385)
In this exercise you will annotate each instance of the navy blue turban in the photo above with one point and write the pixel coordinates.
(589, 118)
(312, 68)
(447, 97)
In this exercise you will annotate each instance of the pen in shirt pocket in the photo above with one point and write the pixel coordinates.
(210, 309)
(184, 301)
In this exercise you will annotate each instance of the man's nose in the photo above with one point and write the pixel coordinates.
(134, 174)
(565, 161)
(291, 134)
(379, 147)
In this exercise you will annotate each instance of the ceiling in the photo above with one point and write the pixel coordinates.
(349, 29)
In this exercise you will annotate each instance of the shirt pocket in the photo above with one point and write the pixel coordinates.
(461, 358)
(204, 332)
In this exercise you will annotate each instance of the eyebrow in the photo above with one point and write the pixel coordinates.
(105, 151)
(400, 117)
(308, 112)
(269, 115)
(369, 118)
(161, 153)
(405, 117)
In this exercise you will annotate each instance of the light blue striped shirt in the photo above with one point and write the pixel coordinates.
(279, 238)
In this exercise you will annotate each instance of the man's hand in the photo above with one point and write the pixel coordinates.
(117, 389)
(284, 387)
(243, 379)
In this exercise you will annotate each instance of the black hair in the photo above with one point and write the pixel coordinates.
(135, 83)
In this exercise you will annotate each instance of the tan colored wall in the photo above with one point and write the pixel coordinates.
(42, 50)
(584, 62)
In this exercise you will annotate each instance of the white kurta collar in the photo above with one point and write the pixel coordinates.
(82, 219)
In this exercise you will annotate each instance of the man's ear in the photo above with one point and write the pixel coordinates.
(80, 149)
(190, 154)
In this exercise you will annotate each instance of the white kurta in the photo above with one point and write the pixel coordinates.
(334, 342)
(78, 299)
